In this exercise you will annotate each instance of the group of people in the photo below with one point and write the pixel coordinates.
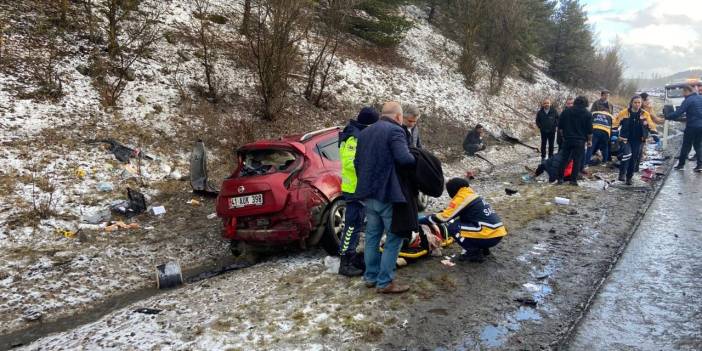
(383, 168)
(581, 133)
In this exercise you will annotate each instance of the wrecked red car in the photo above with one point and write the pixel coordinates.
(285, 191)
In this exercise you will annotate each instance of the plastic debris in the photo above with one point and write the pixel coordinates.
(448, 263)
(158, 210)
(97, 217)
(332, 264)
(510, 191)
(212, 216)
(132, 207)
(104, 186)
(401, 262)
(561, 200)
(68, 234)
(146, 310)
(121, 225)
(81, 173)
(194, 202)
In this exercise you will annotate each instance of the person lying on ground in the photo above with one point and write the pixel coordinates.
(552, 165)
(474, 140)
(478, 227)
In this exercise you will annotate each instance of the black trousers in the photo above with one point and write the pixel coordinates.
(547, 137)
(572, 150)
(628, 168)
(692, 137)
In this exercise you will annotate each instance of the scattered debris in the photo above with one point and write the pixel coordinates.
(510, 191)
(68, 234)
(526, 301)
(97, 217)
(132, 207)
(121, 225)
(81, 173)
(212, 215)
(122, 153)
(104, 186)
(332, 264)
(158, 210)
(168, 275)
(146, 310)
(401, 262)
(198, 171)
(31, 315)
(561, 200)
(448, 263)
(194, 202)
(506, 136)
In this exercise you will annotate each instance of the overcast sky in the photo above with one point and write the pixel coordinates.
(663, 36)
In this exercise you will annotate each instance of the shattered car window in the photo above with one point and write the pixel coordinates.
(258, 162)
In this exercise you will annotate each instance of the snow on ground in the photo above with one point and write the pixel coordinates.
(43, 159)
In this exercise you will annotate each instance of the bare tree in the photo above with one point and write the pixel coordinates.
(328, 34)
(245, 18)
(276, 29)
(132, 40)
(204, 36)
(468, 16)
(504, 40)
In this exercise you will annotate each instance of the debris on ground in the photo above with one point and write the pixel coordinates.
(104, 186)
(122, 153)
(168, 275)
(68, 234)
(212, 215)
(198, 171)
(526, 301)
(448, 263)
(332, 264)
(97, 217)
(146, 310)
(510, 191)
(121, 225)
(193, 202)
(158, 210)
(135, 204)
(561, 200)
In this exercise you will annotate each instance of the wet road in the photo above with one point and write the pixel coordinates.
(653, 298)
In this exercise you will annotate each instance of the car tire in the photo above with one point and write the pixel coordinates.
(333, 227)
(422, 201)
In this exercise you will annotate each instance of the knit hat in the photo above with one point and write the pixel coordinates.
(368, 116)
(455, 184)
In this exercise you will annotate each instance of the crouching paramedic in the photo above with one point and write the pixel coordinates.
(355, 214)
(601, 134)
(478, 227)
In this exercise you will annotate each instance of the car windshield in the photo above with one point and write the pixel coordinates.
(258, 162)
(673, 93)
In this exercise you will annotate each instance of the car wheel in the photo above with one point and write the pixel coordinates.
(333, 227)
(422, 201)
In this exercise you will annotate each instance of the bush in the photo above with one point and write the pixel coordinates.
(383, 29)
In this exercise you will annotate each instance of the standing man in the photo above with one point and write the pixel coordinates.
(692, 137)
(410, 119)
(380, 147)
(354, 216)
(547, 121)
(559, 136)
(576, 126)
(603, 103)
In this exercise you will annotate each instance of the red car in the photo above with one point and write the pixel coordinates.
(285, 191)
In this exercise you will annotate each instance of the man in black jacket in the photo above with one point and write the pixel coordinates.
(576, 125)
(547, 121)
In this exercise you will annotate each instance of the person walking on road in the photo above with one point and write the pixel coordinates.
(547, 121)
(603, 103)
(691, 107)
(381, 147)
(576, 125)
(409, 121)
(633, 132)
(354, 216)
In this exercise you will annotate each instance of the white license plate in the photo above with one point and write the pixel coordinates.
(248, 200)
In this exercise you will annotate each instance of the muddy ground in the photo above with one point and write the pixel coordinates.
(526, 296)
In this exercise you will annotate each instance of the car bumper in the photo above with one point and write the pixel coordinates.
(278, 234)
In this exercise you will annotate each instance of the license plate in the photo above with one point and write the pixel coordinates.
(248, 200)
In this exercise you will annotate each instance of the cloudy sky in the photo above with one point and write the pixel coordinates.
(657, 36)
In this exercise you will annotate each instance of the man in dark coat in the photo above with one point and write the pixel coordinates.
(576, 126)
(603, 103)
(474, 141)
(547, 121)
(380, 147)
(410, 119)
(692, 137)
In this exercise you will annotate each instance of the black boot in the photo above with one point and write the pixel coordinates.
(486, 252)
(347, 268)
(680, 166)
(472, 255)
(628, 181)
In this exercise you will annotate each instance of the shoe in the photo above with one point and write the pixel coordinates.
(698, 169)
(486, 252)
(680, 166)
(628, 181)
(346, 267)
(621, 178)
(393, 288)
(575, 183)
(472, 255)
(369, 284)
(559, 182)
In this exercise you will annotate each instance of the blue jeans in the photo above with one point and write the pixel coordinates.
(600, 141)
(353, 221)
(380, 268)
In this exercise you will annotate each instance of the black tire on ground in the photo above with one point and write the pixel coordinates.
(333, 226)
(422, 201)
